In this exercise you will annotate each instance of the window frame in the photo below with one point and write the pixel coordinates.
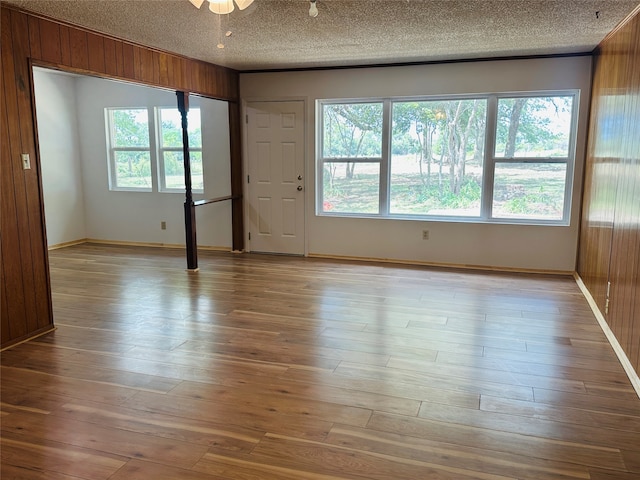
(155, 150)
(112, 149)
(492, 159)
(384, 152)
(489, 162)
(162, 178)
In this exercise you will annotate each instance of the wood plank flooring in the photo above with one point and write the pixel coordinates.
(261, 367)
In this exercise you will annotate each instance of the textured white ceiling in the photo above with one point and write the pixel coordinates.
(279, 34)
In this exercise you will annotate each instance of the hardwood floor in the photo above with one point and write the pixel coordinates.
(261, 367)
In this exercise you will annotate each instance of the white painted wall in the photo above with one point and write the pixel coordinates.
(60, 156)
(136, 216)
(550, 248)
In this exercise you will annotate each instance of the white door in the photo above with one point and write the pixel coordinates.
(275, 147)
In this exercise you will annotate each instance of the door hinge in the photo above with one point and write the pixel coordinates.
(606, 302)
(246, 118)
(249, 235)
(248, 179)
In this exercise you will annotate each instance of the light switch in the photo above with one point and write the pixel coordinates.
(26, 162)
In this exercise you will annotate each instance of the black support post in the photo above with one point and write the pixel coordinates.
(189, 207)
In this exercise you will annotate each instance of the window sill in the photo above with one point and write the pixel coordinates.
(467, 220)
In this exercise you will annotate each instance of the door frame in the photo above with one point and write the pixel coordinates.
(307, 183)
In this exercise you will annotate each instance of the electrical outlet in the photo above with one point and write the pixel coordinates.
(163, 225)
(425, 234)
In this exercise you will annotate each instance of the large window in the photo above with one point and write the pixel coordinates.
(486, 158)
(145, 150)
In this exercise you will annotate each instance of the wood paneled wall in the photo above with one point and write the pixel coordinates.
(610, 231)
(25, 303)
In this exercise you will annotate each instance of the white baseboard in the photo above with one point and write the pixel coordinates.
(462, 266)
(622, 356)
(67, 244)
(154, 245)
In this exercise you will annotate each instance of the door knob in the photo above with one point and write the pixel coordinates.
(299, 177)
(299, 188)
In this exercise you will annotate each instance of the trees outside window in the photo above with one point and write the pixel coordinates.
(352, 149)
(145, 151)
(437, 157)
(532, 156)
(130, 153)
(170, 155)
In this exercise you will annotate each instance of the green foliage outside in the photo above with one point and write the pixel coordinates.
(529, 190)
(133, 169)
(172, 137)
(131, 129)
(438, 155)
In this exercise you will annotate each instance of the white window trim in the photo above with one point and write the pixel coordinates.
(162, 182)
(156, 152)
(490, 159)
(111, 150)
(161, 173)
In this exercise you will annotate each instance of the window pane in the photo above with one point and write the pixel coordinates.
(171, 127)
(529, 190)
(352, 130)
(133, 169)
(437, 157)
(174, 170)
(130, 128)
(351, 187)
(533, 127)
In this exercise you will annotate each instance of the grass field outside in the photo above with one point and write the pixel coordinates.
(530, 191)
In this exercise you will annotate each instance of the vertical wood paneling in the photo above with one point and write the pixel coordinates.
(6, 187)
(597, 221)
(5, 326)
(110, 57)
(96, 52)
(79, 49)
(128, 61)
(625, 259)
(193, 79)
(634, 203)
(185, 70)
(143, 65)
(156, 68)
(16, 225)
(34, 38)
(37, 279)
(50, 41)
(65, 45)
(163, 68)
(25, 290)
(610, 231)
(119, 59)
(137, 64)
(179, 73)
(635, 332)
(17, 108)
(12, 287)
